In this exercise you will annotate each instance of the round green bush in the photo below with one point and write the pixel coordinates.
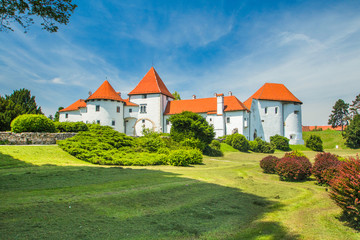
(293, 169)
(32, 123)
(238, 142)
(258, 145)
(314, 143)
(280, 142)
(184, 157)
(268, 164)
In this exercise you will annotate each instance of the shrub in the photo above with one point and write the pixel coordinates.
(32, 123)
(293, 169)
(280, 142)
(71, 126)
(314, 143)
(238, 142)
(325, 167)
(253, 145)
(184, 157)
(352, 133)
(345, 189)
(213, 149)
(268, 164)
(258, 145)
(193, 143)
(295, 153)
(151, 143)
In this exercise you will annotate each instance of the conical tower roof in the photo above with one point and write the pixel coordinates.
(151, 83)
(105, 91)
(272, 92)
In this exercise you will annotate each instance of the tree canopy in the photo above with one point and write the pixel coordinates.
(352, 133)
(176, 95)
(51, 13)
(57, 114)
(355, 106)
(18, 103)
(339, 114)
(191, 125)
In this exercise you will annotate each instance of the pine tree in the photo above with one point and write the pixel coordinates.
(339, 114)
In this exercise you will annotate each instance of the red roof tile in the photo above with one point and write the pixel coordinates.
(272, 92)
(75, 106)
(151, 83)
(128, 103)
(204, 105)
(105, 91)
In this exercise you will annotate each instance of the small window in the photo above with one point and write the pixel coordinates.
(143, 108)
(130, 110)
(266, 110)
(143, 121)
(262, 120)
(276, 110)
(210, 119)
(144, 96)
(118, 109)
(98, 121)
(66, 115)
(228, 120)
(113, 123)
(167, 122)
(97, 108)
(296, 112)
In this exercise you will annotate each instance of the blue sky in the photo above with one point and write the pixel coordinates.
(197, 47)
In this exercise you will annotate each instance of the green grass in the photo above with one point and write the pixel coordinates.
(330, 138)
(47, 194)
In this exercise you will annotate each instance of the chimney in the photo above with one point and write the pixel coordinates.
(90, 93)
(220, 104)
(194, 96)
(119, 93)
(230, 93)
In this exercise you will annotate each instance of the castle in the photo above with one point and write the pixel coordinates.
(271, 110)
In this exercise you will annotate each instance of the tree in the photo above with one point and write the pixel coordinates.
(339, 114)
(176, 95)
(191, 125)
(18, 103)
(355, 106)
(57, 114)
(22, 12)
(352, 133)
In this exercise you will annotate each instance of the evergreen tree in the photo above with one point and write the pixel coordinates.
(57, 114)
(176, 95)
(355, 106)
(352, 133)
(339, 114)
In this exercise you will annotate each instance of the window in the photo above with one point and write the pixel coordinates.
(296, 112)
(97, 108)
(143, 121)
(167, 122)
(118, 109)
(66, 115)
(262, 121)
(210, 119)
(130, 110)
(276, 110)
(143, 108)
(228, 120)
(266, 110)
(113, 123)
(98, 121)
(144, 96)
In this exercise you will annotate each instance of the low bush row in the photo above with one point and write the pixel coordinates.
(103, 145)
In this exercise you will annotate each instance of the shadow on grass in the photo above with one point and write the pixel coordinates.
(56, 202)
(7, 161)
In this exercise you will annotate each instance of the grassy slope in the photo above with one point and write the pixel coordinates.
(330, 138)
(46, 193)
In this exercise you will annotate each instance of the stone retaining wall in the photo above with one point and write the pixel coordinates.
(28, 138)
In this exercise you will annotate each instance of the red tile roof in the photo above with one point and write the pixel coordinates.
(204, 105)
(151, 83)
(105, 91)
(128, 103)
(272, 92)
(75, 106)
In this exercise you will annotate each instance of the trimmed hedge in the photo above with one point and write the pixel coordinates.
(345, 190)
(280, 142)
(325, 167)
(71, 126)
(268, 164)
(32, 123)
(293, 169)
(238, 142)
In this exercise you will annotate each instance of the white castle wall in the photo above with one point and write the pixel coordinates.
(237, 122)
(107, 114)
(293, 123)
(72, 116)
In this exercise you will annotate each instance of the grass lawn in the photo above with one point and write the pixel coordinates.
(330, 138)
(47, 194)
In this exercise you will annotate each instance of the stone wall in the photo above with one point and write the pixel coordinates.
(27, 138)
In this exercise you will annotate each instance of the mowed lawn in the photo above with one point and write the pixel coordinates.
(47, 194)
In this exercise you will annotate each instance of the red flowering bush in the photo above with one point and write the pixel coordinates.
(325, 167)
(268, 164)
(345, 189)
(293, 169)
